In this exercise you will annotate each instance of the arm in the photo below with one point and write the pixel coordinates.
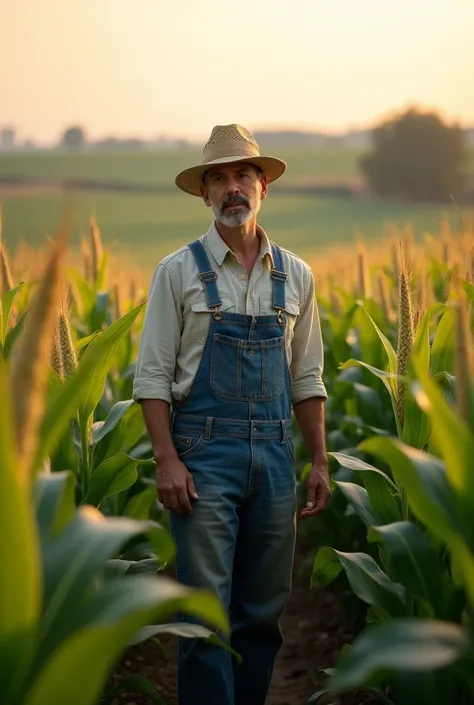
(309, 395)
(159, 345)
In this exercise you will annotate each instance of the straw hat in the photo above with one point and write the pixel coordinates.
(228, 143)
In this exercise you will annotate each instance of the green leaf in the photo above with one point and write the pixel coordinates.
(8, 299)
(55, 502)
(431, 499)
(413, 561)
(102, 350)
(391, 355)
(421, 346)
(119, 566)
(388, 379)
(113, 418)
(456, 442)
(359, 499)
(406, 645)
(84, 342)
(186, 630)
(73, 560)
(133, 683)
(442, 350)
(424, 480)
(113, 475)
(382, 500)
(139, 506)
(353, 463)
(86, 293)
(110, 619)
(20, 584)
(12, 335)
(369, 583)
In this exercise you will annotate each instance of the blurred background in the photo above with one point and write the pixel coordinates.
(104, 101)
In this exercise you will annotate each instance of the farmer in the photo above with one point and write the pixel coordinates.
(231, 344)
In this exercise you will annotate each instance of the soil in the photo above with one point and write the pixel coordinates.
(313, 630)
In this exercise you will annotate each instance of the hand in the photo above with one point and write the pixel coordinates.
(318, 489)
(175, 485)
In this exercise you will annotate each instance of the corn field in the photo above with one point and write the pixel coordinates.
(88, 539)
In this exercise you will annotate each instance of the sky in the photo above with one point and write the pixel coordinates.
(175, 68)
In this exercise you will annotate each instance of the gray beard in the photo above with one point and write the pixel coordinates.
(233, 219)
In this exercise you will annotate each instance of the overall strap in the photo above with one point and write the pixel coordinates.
(279, 277)
(206, 275)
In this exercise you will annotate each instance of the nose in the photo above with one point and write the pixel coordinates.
(232, 186)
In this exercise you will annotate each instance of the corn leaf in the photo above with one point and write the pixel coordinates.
(369, 583)
(383, 501)
(140, 504)
(442, 350)
(359, 499)
(113, 418)
(431, 499)
(110, 619)
(6, 304)
(136, 684)
(404, 645)
(184, 630)
(412, 562)
(456, 443)
(55, 503)
(20, 579)
(353, 463)
(115, 474)
(102, 350)
(72, 561)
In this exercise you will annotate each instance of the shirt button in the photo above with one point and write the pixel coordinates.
(242, 276)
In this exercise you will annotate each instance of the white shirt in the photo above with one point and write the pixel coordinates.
(177, 318)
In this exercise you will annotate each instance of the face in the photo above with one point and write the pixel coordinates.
(234, 192)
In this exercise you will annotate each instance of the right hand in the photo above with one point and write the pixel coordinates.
(175, 485)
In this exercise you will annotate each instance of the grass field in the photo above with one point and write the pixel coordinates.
(149, 226)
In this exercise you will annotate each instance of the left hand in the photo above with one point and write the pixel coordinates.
(318, 489)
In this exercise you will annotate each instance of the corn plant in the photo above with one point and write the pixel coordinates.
(417, 580)
(71, 600)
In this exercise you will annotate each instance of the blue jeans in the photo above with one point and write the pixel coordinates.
(239, 544)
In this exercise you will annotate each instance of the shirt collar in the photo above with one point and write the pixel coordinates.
(219, 248)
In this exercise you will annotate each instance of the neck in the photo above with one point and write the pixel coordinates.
(244, 241)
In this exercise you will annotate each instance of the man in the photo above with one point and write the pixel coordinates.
(232, 343)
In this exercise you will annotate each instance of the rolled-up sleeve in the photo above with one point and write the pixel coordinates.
(307, 359)
(160, 339)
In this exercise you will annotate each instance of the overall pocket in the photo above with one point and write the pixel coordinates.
(186, 445)
(242, 370)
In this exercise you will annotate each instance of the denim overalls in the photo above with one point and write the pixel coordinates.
(234, 434)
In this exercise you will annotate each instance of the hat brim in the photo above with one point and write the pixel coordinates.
(190, 180)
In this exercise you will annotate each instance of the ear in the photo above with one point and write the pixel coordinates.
(205, 196)
(263, 185)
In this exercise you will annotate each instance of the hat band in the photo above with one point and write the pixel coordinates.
(220, 154)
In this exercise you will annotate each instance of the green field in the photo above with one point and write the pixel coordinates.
(151, 225)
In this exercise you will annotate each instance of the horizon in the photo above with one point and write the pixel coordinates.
(127, 70)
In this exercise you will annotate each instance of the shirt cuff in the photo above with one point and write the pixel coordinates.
(307, 388)
(146, 389)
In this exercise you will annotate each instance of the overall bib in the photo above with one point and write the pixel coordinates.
(234, 434)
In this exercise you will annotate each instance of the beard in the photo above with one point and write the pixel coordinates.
(235, 218)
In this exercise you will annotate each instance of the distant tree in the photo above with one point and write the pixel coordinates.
(417, 157)
(73, 138)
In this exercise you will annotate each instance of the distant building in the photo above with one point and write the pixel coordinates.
(7, 139)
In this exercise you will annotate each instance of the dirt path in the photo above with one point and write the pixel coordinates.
(313, 635)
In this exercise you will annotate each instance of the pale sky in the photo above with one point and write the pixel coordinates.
(178, 67)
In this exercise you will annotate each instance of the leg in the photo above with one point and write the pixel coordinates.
(205, 546)
(262, 575)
